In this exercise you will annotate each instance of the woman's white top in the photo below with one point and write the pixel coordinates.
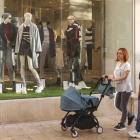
(124, 85)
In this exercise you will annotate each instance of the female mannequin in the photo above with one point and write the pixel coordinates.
(48, 46)
(28, 44)
(8, 34)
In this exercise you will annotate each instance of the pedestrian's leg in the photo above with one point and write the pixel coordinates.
(138, 117)
(117, 101)
(124, 103)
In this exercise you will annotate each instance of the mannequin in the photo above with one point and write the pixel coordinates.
(73, 47)
(28, 44)
(48, 46)
(8, 34)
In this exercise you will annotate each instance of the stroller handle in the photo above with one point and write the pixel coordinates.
(101, 79)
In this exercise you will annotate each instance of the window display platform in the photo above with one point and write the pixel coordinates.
(52, 91)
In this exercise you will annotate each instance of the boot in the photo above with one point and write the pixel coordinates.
(3, 88)
(14, 86)
(46, 84)
(58, 82)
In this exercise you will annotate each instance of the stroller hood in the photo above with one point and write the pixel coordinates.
(71, 100)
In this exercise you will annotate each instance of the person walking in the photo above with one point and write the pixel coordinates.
(122, 79)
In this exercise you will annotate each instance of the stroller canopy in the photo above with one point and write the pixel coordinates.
(71, 100)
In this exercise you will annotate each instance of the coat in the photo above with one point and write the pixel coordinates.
(12, 32)
(35, 43)
(51, 39)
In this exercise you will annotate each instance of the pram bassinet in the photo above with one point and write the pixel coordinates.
(72, 100)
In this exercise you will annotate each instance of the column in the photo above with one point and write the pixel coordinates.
(1, 9)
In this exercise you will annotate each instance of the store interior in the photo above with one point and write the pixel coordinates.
(87, 14)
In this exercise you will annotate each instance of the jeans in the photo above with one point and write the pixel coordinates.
(121, 103)
(138, 117)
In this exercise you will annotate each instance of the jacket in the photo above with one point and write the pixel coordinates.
(1, 43)
(35, 43)
(51, 39)
(12, 32)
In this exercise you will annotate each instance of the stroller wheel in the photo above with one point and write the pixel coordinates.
(99, 130)
(74, 133)
(64, 127)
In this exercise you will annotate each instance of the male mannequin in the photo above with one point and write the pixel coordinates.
(28, 44)
(48, 46)
(73, 49)
(8, 34)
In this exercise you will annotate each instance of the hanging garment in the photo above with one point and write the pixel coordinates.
(88, 36)
(59, 58)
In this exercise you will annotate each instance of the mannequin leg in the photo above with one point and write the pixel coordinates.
(9, 64)
(2, 53)
(42, 59)
(55, 69)
(22, 69)
(1, 65)
(30, 65)
(39, 84)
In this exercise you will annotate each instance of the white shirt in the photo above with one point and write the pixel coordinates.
(124, 85)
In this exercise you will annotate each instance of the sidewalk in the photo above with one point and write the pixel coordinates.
(51, 130)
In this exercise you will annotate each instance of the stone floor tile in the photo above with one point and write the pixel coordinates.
(45, 128)
(25, 137)
(56, 136)
(39, 137)
(3, 133)
(29, 129)
(14, 130)
(7, 138)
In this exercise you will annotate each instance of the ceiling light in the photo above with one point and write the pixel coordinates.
(93, 4)
(50, 2)
(47, 9)
(62, 1)
(67, 3)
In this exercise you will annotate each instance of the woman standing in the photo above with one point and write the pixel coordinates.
(122, 79)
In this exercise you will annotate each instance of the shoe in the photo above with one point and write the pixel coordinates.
(24, 91)
(134, 134)
(81, 85)
(119, 127)
(71, 84)
(58, 82)
(39, 89)
(3, 89)
(14, 87)
(131, 119)
(46, 85)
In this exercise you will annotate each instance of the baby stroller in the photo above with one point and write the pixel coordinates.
(83, 107)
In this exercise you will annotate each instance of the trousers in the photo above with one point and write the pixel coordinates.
(45, 51)
(6, 58)
(121, 102)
